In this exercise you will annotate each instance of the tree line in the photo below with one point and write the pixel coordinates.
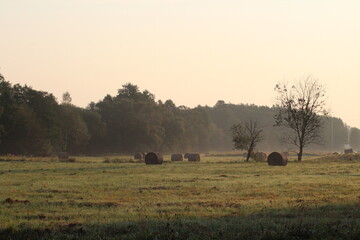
(34, 123)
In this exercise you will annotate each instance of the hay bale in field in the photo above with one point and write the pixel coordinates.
(177, 157)
(186, 155)
(260, 157)
(139, 156)
(63, 156)
(194, 157)
(346, 151)
(153, 158)
(277, 159)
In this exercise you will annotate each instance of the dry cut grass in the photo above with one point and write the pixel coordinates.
(217, 198)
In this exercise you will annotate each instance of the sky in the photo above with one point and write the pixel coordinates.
(194, 52)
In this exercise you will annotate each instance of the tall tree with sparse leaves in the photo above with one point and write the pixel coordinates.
(300, 109)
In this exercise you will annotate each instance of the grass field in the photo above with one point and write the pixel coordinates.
(217, 198)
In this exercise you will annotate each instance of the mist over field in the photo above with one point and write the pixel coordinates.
(179, 120)
(34, 123)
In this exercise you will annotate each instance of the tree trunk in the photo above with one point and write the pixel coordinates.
(300, 154)
(248, 155)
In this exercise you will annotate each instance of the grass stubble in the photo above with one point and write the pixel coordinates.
(217, 198)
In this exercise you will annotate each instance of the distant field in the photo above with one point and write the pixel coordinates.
(217, 198)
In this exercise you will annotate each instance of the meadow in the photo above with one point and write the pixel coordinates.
(117, 197)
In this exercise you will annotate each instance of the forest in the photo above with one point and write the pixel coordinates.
(34, 123)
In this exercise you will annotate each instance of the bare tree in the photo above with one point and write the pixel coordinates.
(299, 109)
(247, 136)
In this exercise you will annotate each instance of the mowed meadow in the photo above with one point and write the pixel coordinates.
(216, 198)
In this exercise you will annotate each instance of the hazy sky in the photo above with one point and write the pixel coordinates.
(191, 51)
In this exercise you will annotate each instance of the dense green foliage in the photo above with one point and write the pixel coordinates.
(33, 123)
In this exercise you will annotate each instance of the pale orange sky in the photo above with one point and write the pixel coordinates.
(193, 52)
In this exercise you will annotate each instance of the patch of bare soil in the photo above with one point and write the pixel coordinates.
(159, 188)
(15, 201)
(98, 204)
(211, 204)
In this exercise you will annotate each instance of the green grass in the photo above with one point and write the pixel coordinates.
(217, 198)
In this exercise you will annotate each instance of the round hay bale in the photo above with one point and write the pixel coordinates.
(186, 155)
(63, 156)
(260, 157)
(194, 157)
(139, 156)
(177, 157)
(346, 151)
(153, 158)
(277, 159)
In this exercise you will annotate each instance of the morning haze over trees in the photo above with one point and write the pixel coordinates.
(33, 123)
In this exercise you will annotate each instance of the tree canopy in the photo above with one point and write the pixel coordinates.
(247, 136)
(33, 123)
(300, 108)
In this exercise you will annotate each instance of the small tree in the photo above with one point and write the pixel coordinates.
(66, 99)
(75, 129)
(299, 109)
(247, 136)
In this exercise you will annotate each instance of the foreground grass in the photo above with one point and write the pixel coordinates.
(218, 198)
